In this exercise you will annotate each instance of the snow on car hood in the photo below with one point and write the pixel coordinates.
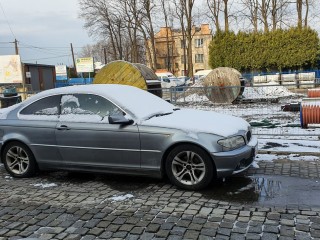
(195, 121)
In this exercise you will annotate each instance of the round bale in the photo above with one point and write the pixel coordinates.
(222, 85)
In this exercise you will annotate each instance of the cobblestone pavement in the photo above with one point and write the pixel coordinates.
(63, 205)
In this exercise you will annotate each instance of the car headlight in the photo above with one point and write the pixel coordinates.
(231, 143)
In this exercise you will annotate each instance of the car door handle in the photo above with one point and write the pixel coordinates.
(63, 127)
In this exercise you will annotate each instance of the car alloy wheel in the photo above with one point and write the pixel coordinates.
(189, 167)
(18, 160)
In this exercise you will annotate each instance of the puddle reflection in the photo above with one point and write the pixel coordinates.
(243, 189)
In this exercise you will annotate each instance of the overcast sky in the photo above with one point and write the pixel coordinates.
(44, 29)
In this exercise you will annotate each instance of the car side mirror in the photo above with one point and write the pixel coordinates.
(119, 119)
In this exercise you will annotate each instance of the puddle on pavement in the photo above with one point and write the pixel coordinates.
(266, 190)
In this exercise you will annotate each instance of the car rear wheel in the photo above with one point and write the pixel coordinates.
(18, 160)
(189, 167)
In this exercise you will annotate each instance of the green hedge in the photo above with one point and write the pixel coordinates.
(293, 48)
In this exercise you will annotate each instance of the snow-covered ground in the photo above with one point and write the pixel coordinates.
(286, 149)
(280, 134)
(268, 117)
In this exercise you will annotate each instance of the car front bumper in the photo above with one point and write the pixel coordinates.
(235, 161)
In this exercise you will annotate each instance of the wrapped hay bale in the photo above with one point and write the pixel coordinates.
(222, 85)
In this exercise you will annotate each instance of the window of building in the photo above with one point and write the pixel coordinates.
(199, 42)
(199, 58)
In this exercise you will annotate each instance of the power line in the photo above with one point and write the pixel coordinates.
(7, 20)
(43, 50)
(45, 58)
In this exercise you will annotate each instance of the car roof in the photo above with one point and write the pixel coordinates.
(107, 90)
(136, 101)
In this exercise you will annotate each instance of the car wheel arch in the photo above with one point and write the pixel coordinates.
(169, 149)
(32, 167)
(13, 140)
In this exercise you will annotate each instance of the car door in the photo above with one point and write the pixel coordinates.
(86, 139)
(36, 125)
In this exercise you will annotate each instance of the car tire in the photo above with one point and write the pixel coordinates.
(18, 160)
(189, 167)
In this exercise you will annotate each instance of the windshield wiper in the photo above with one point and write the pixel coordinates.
(176, 109)
(159, 115)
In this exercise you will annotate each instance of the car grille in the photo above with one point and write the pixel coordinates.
(249, 136)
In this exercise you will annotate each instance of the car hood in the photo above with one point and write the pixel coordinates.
(195, 121)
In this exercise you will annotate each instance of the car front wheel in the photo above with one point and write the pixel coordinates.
(189, 167)
(18, 160)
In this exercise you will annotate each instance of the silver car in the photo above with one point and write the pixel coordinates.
(125, 130)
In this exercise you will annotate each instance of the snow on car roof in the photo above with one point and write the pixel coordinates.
(133, 100)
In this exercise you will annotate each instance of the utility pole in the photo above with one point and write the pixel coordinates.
(74, 62)
(105, 55)
(16, 46)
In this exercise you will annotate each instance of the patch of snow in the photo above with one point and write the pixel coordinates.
(121, 197)
(82, 118)
(8, 177)
(191, 120)
(39, 117)
(268, 90)
(291, 157)
(194, 98)
(297, 157)
(290, 146)
(44, 185)
(255, 165)
(66, 99)
(266, 157)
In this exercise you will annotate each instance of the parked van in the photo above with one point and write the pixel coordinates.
(168, 80)
(201, 74)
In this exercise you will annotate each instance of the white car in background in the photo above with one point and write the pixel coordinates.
(201, 74)
(168, 80)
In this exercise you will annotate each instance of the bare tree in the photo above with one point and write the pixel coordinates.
(165, 10)
(215, 8)
(148, 7)
(264, 9)
(299, 4)
(278, 12)
(307, 13)
(101, 22)
(303, 20)
(187, 6)
(180, 15)
(226, 15)
(252, 7)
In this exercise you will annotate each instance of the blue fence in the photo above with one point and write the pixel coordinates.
(250, 76)
(74, 81)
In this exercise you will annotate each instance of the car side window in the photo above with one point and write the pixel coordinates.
(43, 109)
(86, 108)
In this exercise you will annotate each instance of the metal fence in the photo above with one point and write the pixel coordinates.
(272, 110)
